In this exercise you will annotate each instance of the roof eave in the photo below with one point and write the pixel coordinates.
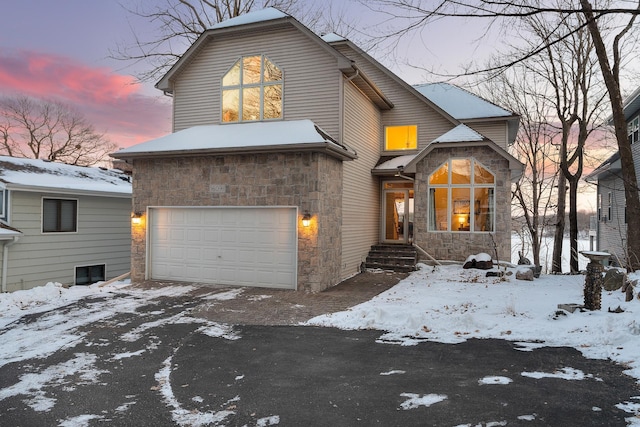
(396, 78)
(326, 147)
(67, 191)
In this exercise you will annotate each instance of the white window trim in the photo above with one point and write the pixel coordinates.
(75, 271)
(59, 232)
(472, 186)
(633, 128)
(260, 85)
(399, 152)
(4, 211)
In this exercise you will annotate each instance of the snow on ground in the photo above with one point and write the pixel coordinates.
(445, 304)
(449, 304)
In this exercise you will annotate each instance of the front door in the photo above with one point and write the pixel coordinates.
(397, 203)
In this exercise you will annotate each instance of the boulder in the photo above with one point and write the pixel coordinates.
(614, 279)
(524, 274)
(481, 261)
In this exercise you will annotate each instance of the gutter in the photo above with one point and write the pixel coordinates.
(5, 261)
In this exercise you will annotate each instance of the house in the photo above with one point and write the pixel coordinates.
(292, 154)
(62, 223)
(611, 228)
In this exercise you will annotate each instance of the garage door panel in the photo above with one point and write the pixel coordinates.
(235, 246)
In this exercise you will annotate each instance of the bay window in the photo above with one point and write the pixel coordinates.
(462, 197)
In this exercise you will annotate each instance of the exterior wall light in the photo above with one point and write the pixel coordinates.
(136, 218)
(306, 219)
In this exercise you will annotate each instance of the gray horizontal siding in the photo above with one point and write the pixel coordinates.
(612, 231)
(361, 196)
(311, 79)
(103, 237)
(408, 108)
(495, 131)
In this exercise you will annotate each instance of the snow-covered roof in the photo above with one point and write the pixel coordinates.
(332, 38)
(7, 232)
(611, 165)
(459, 103)
(395, 163)
(241, 137)
(41, 175)
(460, 133)
(267, 14)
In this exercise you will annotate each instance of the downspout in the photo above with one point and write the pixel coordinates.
(5, 261)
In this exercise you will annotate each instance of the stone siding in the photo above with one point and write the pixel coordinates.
(310, 181)
(459, 245)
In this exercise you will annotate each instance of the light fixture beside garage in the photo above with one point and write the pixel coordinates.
(306, 219)
(136, 218)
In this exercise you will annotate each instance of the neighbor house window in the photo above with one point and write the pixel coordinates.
(462, 197)
(4, 204)
(633, 129)
(89, 274)
(59, 215)
(400, 138)
(252, 90)
(610, 205)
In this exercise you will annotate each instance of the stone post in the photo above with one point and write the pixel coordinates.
(594, 280)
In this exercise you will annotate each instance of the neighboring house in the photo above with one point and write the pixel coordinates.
(293, 154)
(62, 223)
(611, 228)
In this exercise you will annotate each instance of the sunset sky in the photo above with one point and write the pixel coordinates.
(60, 49)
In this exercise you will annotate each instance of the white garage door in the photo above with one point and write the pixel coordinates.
(226, 246)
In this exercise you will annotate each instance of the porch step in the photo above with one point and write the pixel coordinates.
(400, 258)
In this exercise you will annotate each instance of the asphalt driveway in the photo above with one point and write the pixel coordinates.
(160, 365)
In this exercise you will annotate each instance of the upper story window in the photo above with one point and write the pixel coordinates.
(59, 216)
(633, 129)
(400, 138)
(462, 197)
(252, 90)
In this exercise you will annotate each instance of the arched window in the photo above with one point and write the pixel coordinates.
(252, 90)
(461, 197)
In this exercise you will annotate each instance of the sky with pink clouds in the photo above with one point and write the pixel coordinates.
(59, 49)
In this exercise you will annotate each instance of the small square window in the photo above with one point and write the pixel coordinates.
(59, 216)
(401, 138)
(89, 274)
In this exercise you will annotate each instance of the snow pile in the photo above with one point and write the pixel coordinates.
(449, 304)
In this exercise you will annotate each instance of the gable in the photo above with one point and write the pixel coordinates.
(311, 77)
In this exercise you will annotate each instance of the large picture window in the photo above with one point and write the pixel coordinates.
(462, 197)
(59, 216)
(252, 90)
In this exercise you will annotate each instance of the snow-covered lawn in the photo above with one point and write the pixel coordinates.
(443, 304)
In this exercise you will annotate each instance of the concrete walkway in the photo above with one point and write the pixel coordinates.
(274, 307)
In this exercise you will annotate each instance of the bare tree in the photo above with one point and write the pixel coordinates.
(522, 91)
(41, 129)
(414, 15)
(577, 99)
(180, 22)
